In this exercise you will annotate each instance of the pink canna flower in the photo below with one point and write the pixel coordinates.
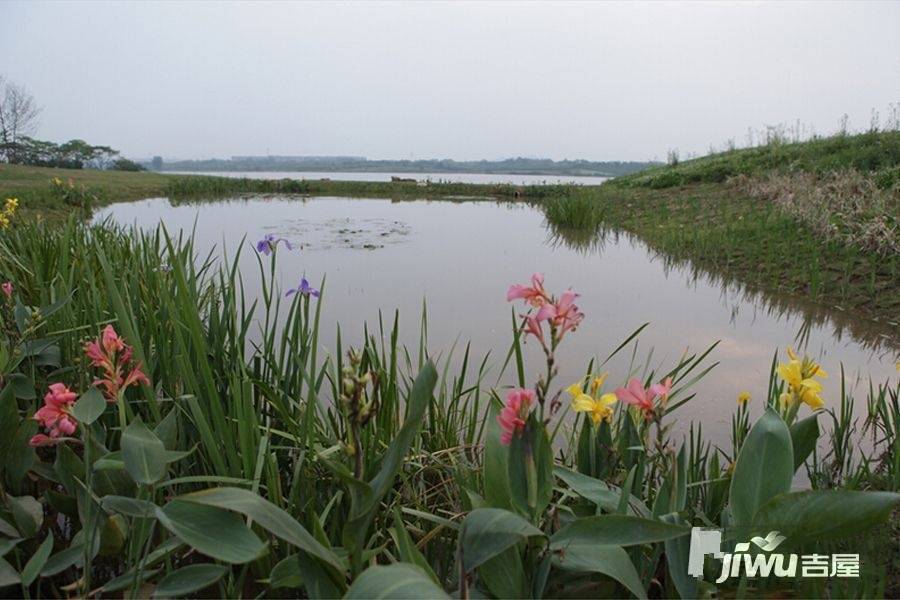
(563, 314)
(662, 389)
(113, 356)
(7, 288)
(635, 394)
(533, 294)
(514, 413)
(55, 416)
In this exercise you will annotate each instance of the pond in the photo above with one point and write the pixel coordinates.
(460, 257)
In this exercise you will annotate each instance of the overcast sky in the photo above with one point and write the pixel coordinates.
(462, 80)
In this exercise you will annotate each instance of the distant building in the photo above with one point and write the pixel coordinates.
(157, 163)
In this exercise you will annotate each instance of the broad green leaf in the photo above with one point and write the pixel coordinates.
(677, 554)
(599, 492)
(530, 469)
(37, 561)
(819, 515)
(7, 544)
(286, 574)
(131, 507)
(486, 532)
(266, 515)
(90, 406)
(189, 579)
(496, 457)
(62, 560)
(503, 575)
(764, 469)
(400, 581)
(126, 580)
(611, 561)
(143, 454)
(28, 514)
(316, 581)
(215, 532)
(8, 575)
(616, 530)
(804, 435)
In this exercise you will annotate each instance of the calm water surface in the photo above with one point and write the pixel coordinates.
(461, 256)
(486, 178)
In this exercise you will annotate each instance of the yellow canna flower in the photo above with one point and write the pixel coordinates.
(598, 382)
(598, 407)
(785, 399)
(743, 398)
(799, 377)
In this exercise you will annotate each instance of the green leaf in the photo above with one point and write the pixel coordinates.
(804, 435)
(503, 575)
(27, 513)
(611, 561)
(764, 469)
(215, 532)
(677, 555)
(23, 386)
(37, 561)
(496, 457)
(418, 401)
(8, 575)
(820, 515)
(90, 406)
(530, 468)
(366, 498)
(486, 532)
(616, 530)
(130, 507)
(266, 515)
(399, 581)
(286, 574)
(407, 548)
(187, 580)
(7, 544)
(599, 492)
(143, 454)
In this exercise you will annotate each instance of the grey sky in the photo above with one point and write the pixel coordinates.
(464, 80)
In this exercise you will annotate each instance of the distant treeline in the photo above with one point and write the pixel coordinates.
(511, 166)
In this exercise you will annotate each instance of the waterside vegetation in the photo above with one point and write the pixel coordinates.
(164, 434)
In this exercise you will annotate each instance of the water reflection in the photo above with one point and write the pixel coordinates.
(460, 256)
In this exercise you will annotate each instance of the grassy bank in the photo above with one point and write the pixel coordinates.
(248, 463)
(818, 221)
(38, 195)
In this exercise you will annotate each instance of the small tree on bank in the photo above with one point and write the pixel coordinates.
(18, 117)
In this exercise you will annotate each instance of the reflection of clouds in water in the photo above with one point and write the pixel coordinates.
(344, 232)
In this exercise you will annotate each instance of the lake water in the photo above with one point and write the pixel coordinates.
(485, 178)
(461, 257)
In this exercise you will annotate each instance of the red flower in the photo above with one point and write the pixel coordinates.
(55, 416)
(111, 354)
(513, 415)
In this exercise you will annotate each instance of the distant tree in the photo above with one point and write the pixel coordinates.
(123, 164)
(157, 163)
(18, 118)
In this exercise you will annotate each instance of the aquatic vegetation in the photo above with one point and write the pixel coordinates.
(8, 212)
(256, 465)
(55, 416)
(269, 243)
(304, 289)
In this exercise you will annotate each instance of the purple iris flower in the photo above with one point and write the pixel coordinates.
(269, 243)
(304, 289)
